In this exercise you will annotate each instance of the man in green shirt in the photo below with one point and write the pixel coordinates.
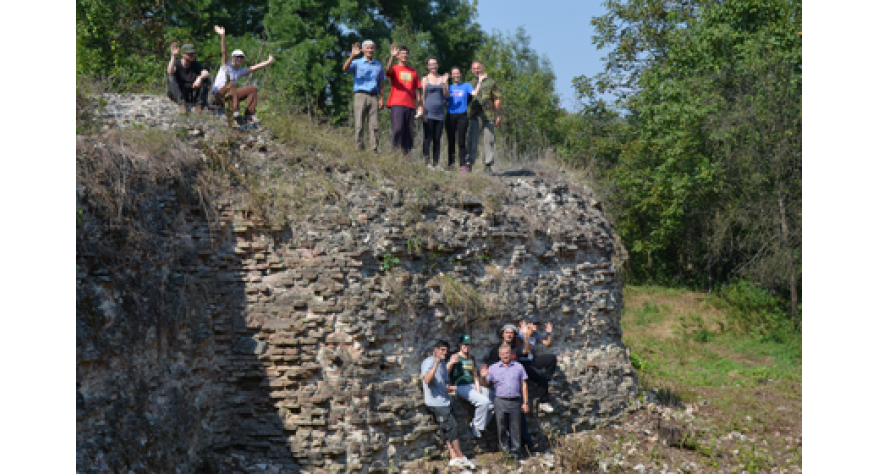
(488, 100)
(461, 368)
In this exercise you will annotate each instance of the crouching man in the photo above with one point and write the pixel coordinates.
(435, 384)
(463, 369)
(230, 72)
(188, 80)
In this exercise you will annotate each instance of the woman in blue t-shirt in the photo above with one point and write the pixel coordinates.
(460, 95)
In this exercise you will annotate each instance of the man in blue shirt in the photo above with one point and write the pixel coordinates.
(435, 385)
(368, 91)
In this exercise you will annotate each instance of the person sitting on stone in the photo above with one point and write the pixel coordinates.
(229, 73)
(462, 368)
(188, 80)
(536, 364)
(435, 384)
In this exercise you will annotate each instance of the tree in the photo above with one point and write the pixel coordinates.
(710, 91)
(529, 101)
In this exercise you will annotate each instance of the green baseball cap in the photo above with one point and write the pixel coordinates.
(465, 339)
(188, 48)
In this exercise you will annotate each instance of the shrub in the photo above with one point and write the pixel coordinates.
(752, 309)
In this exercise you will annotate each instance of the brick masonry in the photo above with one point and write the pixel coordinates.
(301, 346)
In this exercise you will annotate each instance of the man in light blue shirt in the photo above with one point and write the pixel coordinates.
(368, 91)
(435, 384)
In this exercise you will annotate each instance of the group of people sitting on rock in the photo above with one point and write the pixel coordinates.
(506, 368)
(189, 81)
(461, 108)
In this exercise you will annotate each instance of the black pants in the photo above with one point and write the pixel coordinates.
(456, 128)
(402, 127)
(541, 394)
(433, 132)
(546, 363)
(180, 93)
(508, 417)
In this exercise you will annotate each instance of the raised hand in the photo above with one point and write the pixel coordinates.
(524, 329)
(174, 49)
(355, 49)
(548, 328)
(453, 359)
(394, 50)
(220, 30)
(446, 78)
(270, 60)
(437, 359)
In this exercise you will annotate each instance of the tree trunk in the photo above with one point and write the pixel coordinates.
(792, 268)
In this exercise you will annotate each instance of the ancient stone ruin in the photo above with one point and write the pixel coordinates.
(202, 330)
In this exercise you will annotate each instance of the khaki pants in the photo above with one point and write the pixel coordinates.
(485, 127)
(366, 108)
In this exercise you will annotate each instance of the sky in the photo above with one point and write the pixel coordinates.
(559, 28)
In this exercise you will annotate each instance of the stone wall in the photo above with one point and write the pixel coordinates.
(302, 346)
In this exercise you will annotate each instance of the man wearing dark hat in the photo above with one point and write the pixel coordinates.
(529, 337)
(188, 80)
(435, 385)
(462, 369)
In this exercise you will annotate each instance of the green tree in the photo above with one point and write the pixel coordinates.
(709, 91)
(530, 103)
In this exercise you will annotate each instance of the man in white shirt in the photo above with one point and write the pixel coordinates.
(230, 72)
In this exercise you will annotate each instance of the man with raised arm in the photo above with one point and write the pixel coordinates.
(511, 400)
(488, 100)
(369, 87)
(403, 98)
(188, 80)
(462, 368)
(532, 363)
(230, 72)
(435, 384)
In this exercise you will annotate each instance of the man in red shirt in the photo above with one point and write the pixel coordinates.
(402, 99)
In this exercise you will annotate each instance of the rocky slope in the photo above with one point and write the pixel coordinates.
(208, 332)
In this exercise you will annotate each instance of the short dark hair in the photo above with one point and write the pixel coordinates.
(402, 48)
(453, 68)
(441, 343)
(435, 58)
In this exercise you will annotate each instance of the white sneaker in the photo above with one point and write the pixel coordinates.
(456, 462)
(474, 430)
(545, 407)
(467, 462)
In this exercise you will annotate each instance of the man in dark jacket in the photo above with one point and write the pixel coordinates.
(188, 80)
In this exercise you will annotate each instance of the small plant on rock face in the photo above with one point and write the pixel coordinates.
(389, 262)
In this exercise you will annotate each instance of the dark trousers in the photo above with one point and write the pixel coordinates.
(508, 416)
(546, 363)
(433, 132)
(541, 394)
(402, 127)
(456, 130)
(180, 93)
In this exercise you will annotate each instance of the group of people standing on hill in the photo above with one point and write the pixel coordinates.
(506, 368)
(461, 108)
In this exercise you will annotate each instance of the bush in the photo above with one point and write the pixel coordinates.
(752, 309)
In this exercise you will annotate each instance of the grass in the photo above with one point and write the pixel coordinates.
(686, 351)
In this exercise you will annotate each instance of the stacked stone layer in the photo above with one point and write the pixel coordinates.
(303, 344)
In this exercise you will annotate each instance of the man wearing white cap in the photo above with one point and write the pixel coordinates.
(368, 91)
(230, 72)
